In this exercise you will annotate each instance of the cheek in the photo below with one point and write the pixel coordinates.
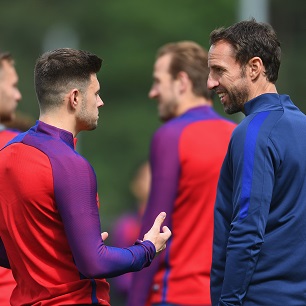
(7, 96)
(170, 90)
(228, 81)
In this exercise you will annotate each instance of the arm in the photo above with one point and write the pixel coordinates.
(251, 198)
(165, 171)
(222, 216)
(75, 191)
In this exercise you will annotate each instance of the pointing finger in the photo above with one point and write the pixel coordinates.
(159, 220)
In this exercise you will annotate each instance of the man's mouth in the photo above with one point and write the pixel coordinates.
(221, 96)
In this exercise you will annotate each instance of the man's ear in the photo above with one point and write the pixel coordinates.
(256, 67)
(184, 81)
(74, 98)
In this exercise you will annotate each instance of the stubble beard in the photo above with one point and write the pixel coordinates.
(88, 122)
(237, 97)
(167, 111)
(237, 100)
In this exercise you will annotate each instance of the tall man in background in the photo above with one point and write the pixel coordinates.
(49, 216)
(260, 226)
(9, 98)
(186, 157)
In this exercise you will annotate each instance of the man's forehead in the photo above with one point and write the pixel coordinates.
(220, 51)
(94, 82)
(7, 69)
(163, 62)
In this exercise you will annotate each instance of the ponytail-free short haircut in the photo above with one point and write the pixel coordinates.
(249, 39)
(58, 71)
(191, 58)
(6, 56)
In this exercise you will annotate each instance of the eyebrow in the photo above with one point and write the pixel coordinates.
(217, 67)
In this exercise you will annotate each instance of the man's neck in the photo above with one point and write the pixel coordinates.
(186, 105)
(58, 121)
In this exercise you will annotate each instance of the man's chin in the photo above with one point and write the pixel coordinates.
(165, 117)
(7, 118)
(93, 126)
(232, 109)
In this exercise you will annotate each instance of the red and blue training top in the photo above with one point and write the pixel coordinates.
(50, 225)
(186, 157)
(7, 282)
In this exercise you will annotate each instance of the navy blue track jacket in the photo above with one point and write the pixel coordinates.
(259, 250)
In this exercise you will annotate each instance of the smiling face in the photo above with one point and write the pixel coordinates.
(9, 92)
(227, 77)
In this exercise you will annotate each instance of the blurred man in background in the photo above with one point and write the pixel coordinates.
(185, 158)
(9, 98)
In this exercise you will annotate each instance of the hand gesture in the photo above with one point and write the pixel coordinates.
(158, 238)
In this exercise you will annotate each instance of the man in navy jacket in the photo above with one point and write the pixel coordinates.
(259, 226)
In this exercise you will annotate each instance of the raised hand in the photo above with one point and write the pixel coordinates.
(157, 237)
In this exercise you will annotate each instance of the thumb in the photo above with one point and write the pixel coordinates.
(104, 235)
(166, 231)
(159, 220)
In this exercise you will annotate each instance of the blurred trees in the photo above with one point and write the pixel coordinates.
(288, 18)
(126, 34)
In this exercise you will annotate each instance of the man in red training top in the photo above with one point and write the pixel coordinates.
(186, 157)
(49, 217)
(9, 98)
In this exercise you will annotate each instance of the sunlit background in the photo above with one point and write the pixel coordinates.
(126, 34)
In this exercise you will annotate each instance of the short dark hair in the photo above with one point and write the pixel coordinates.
(250, 38)
(190, 57)
(57, 70)
(6, 56)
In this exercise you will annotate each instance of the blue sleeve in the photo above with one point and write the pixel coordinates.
(237, 244)
(165, 169)
(76, 197)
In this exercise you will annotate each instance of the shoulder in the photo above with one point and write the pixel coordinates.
(61, 154)
(168, 135)
(172, 128)
(7, 135)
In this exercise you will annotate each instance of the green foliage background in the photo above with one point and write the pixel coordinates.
(126, 34)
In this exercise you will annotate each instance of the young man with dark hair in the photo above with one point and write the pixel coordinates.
(49, 217)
